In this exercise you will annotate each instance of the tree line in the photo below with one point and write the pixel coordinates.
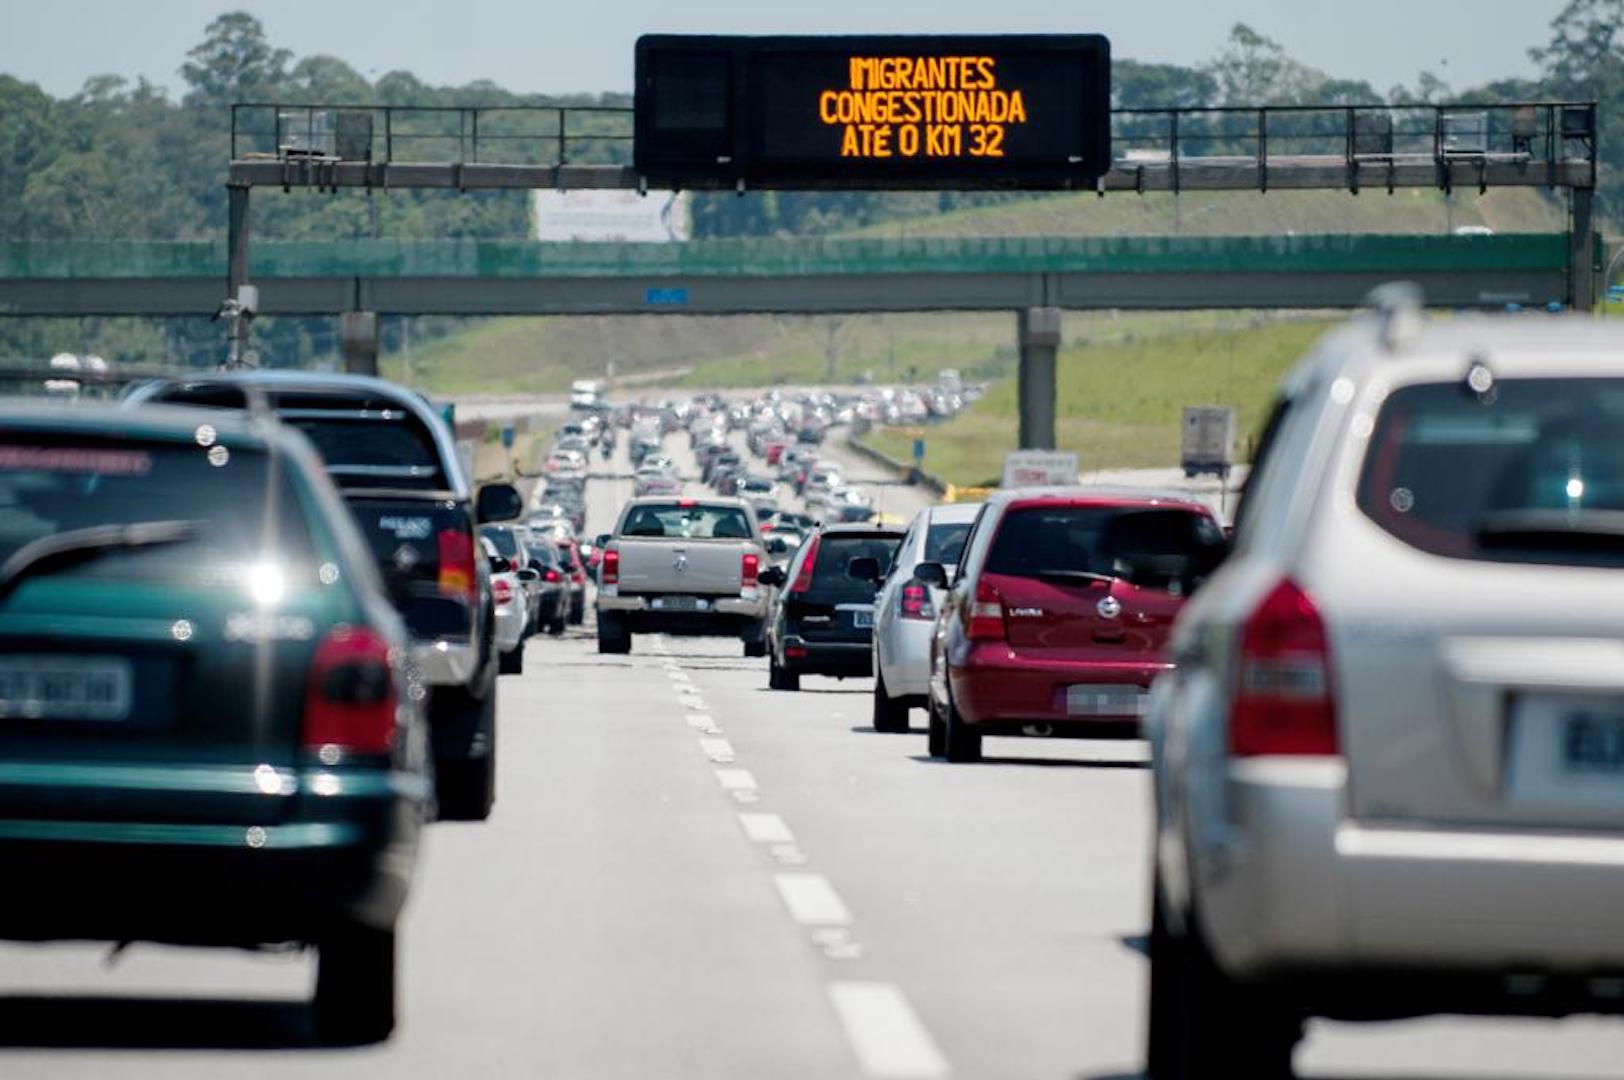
(126, 161)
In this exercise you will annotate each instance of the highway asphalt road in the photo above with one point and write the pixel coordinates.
(688, 875)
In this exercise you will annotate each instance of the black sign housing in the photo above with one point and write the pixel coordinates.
(873, 112)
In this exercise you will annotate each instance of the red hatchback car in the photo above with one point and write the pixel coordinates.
(1059, 614)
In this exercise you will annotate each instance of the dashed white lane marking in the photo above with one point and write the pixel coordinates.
(718, 750)
(766, 829)
(680, 676)
(702, 722)
(811, 900)
(885, 1033)
(736, 779)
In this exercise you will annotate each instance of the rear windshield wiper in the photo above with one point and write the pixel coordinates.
(1074, 575)
(1575, 530)
(49, 553)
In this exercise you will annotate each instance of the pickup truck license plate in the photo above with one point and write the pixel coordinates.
(862, 619)
(49, 687)
(1106, 699)
(1567, 748)
(679, 603)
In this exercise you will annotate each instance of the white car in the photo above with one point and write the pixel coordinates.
(512, 611)
(905, 612)
(1389, 762)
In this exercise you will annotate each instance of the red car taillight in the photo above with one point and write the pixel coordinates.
(916, 602)
(803, 580)
(986, 614)
(611, 567)
(1283, 702)
(551, 576)
(501, 591)
(457, 564)
(749, 570)
(350, 693)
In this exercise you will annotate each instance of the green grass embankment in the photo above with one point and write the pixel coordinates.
(1120, 396)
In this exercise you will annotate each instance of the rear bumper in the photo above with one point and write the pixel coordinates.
(994, 689)
(904, 656)
(510, 625)
(729, 616)
(841, 659)
(1289, 887)
(446, 661)
(349, 859)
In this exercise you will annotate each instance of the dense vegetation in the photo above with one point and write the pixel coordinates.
(126, 161)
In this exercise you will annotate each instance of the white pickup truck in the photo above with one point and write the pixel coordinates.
(683, 566)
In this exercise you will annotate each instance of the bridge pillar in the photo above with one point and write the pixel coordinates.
(1581, 250)
(1039, 332)
(358, 334)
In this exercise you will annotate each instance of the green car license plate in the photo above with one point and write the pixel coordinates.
(55, 687)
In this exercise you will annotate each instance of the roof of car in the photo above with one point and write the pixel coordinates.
(178, 423)
(1098, 494)
(860, 528)
(957, 513)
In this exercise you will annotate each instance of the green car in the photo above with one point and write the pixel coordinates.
(209, 730)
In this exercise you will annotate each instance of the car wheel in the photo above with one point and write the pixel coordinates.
(556, 627)
(466, 787)
(890, 716)
(1204, 1025)
(577, 612)
(355, 985)
(512, 661)
(755, 640)
(936, 732)
(780, 678)
(959, 743)
(613, 638)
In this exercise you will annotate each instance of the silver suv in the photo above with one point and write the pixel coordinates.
(1389, 765)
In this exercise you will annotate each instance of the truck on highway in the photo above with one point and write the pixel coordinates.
(683, 566)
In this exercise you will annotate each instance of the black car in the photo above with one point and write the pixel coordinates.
(555, 586)
(395, 462)
(822, 620)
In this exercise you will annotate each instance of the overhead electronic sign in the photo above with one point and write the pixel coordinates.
(1025, 111)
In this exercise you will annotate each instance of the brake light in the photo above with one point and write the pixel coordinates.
(610, 570)
(916, 602)
(456, 564)
(803, 580)
(986, 614)
(350, 693)
(550, 575)
(1283, 702)
(501, 590)
(749, 570)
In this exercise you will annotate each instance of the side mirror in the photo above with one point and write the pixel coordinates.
(777, 545)
(499, 565)
(864, 568)
(602, 541)
(933, 574)
(529, 574)
(498, 502)
(772, 577)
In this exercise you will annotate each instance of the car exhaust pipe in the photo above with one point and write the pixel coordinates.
(1042, 731)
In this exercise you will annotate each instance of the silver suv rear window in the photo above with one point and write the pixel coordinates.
(1530, 471)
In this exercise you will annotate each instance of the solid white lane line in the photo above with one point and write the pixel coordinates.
(766, 829)
(736, 779)
(811, 900)
(885, 1032)
(718, 750)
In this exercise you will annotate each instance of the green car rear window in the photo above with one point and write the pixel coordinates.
(226, 513)
(1523, 470)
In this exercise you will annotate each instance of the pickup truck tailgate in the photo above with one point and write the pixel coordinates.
(691, 567)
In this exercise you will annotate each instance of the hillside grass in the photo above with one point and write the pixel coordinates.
(1120, 396)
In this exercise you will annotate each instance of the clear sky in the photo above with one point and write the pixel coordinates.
(551, 46)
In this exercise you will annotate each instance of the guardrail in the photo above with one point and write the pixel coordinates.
(1360, 137)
